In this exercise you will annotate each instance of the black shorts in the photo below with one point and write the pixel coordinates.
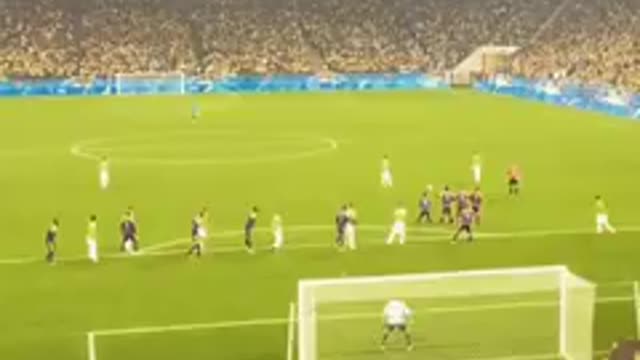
(513, 182)
(446, 211)
(476, 209)
(465, 228)
(396, 327)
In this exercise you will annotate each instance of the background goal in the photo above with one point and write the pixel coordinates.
(541, 312)
(150, 83)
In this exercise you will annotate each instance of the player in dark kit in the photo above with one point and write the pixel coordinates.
(462, 202)
(129, 231)
(447, 198)
(477, 200)
(249, 228)
(466, 221)
(425, 209)
(51, 238)
(341, 223)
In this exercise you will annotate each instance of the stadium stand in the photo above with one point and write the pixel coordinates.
(589, 40)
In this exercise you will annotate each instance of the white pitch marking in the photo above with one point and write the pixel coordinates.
(336, 317)
(91, 345)
(152, 250)
(82, 149)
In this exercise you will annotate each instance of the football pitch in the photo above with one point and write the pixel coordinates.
(302, 156)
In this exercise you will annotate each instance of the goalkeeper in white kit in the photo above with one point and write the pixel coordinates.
(396, 318)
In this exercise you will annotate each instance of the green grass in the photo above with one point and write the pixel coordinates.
(240, 154)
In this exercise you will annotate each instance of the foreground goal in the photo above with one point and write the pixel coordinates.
(150, 83)
(538, 312)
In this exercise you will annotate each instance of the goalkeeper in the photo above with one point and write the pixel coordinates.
(396, 318)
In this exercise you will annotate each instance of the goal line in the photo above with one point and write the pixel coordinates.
(291, 321)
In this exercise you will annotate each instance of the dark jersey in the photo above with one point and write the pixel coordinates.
(51, 234)
(195, 227)
(466, 218)
(476, 200)
(129, 229)
(462, 200)
(447, 200)
(342, 219)
(425, 204)
(251, 221)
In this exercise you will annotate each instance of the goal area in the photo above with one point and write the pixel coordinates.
(536, 312)
(150, 83)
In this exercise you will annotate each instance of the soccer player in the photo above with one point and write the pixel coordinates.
(249, 228)
(278, 233)
(386, 179)
(92, 238)
(399, 228)
(425, 206)
(129, 232)
(104, 173)
(447, 198)
(462, 202)
(477, 199)
(341, 221)
(198, 233)
(465, 221)
(476, 168)
(602, 217)
(513, 180)
(51, 238)
(195, 112)
(350, 227)
(396, 316)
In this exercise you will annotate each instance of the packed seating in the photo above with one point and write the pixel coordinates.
(588, 40)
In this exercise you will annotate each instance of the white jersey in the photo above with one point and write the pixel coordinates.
(396, 312)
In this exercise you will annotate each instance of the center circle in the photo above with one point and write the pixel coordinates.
(204, 147)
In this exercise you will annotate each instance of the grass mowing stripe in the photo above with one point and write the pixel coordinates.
(349, 316)
(152, 250)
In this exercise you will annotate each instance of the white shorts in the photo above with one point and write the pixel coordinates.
(202, 233)
(386, 177)
(477, 173)
(602, 219)
(104, 178)
(399, 228)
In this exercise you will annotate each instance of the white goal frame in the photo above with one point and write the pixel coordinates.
(152, 75)
(307, 317)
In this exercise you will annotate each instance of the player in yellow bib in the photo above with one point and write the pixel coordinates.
(92, 238)
(105, 179)
(278, 233)
(386, 179)
(602, 217)
(399, 228)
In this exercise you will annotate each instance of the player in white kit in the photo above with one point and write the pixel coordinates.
(386, 179)
(397, 316)
(476, 168)
(399, 228)
(104, 173)
(278, 233)
(602, 217)
(350, 228)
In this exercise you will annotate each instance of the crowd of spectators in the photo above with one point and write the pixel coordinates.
(589, 40)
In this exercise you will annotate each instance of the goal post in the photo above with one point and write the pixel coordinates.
(150, 83)
(536, 311)
(636, 305)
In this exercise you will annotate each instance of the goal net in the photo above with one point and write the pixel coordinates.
(150, 83)
(539, 312)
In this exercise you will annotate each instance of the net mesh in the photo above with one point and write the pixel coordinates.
(456, 315)
(150, 83)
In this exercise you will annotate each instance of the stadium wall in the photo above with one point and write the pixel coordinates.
(233, 84)
(592, 98)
